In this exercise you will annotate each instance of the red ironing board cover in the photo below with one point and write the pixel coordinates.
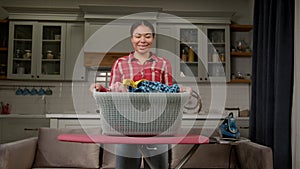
(84, 138)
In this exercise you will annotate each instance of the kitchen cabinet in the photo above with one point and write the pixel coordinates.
(217, 52)
(74, 62)
(241, 54)
(13, 129)
(3, 48)
(75, 123)
(36, 50)
(188, 121)
(199, 52)
(104, 37)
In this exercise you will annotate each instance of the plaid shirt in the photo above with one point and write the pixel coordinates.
(156, 69)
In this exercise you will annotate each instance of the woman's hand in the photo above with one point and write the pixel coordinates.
(186, 89)
(118, 87)
(97, 87)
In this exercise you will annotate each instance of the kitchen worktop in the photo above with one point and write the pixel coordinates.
(30, 116)
(96, 115)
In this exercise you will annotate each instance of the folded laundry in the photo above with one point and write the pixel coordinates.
(150, 86)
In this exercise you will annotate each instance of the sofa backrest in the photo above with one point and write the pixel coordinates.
(53, 153)
(18, 154)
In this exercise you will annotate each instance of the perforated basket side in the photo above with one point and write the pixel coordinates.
(140, 113)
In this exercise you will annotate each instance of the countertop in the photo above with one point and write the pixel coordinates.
(31, 116)
(211, 116)
(94, 115)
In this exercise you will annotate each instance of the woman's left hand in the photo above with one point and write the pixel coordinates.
(186, 89)
(118, 87)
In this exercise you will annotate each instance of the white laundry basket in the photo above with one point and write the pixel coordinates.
(140, 113)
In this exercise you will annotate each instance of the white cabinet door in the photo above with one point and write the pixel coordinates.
(51, 52)
(36, 50)
(167, 46)
(74, 62)
(217, 52)
(107, 37)
(22, 42)
(182, 44)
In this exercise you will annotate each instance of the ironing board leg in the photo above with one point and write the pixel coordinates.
(185, 159)
(140, 147)
(187, 156)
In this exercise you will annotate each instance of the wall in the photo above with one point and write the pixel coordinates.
(243, 8)
(64, 100)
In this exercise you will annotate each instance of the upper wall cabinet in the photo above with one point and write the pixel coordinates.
(217, 52)
(74, 62)
(197, 44)
(198, 52)
(36, 50)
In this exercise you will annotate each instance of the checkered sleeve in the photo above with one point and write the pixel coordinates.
(167, 73)
(115, 75)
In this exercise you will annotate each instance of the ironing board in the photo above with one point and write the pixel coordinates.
(195, 140)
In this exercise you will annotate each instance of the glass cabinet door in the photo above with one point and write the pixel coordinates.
(36, 50)
(217, 53)
(189, 52)
(21, 47)
(50, 56)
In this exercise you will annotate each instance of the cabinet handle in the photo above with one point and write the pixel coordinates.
(32, 76)
(31, 129)
(38, 76)
(244, 127)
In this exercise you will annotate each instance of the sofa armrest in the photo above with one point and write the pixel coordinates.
(18, 154)
(254, 156)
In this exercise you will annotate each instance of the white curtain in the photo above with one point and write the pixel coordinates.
(296, 100)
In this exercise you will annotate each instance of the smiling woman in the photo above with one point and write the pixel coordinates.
(139, 64)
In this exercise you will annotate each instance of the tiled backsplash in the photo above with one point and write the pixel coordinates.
(68, 97)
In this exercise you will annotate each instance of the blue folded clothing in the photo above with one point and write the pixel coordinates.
(150, 86)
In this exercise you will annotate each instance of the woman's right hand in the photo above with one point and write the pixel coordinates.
(97, 87)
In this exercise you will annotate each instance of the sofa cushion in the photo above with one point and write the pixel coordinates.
(12, 152)
(54, 153)
(248, 152)
(206, 156)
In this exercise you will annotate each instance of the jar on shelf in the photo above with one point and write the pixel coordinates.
(222, 57)
(18, 53)
(215, 56)
(191, 55)
(49, 54)
(183, 56)
(27, 54)
(241, 45)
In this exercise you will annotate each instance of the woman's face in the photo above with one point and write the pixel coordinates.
(142, 39)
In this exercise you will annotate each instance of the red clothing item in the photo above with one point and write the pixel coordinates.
(156, 69)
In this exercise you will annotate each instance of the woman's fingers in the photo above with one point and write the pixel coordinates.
(97, 87)
(118, 87)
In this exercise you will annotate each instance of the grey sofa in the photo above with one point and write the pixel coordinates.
(44, 152)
